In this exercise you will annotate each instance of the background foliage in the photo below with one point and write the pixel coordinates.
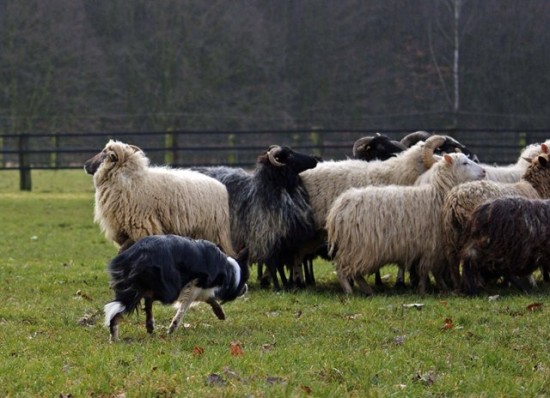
(85, 65)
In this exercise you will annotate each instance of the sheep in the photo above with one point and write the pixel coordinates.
(509, 237)
(373, 226)
(331, 178)
(134, 200)
(461, 201)
(379, 147)
(513, 172)
(269, 208)
(382, 147)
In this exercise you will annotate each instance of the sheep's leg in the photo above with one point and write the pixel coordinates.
(149, 319)
(363, 285)
(345, 283)
(377, 279)
(308, 270)
(468, 277)
(284, 280)
(516, 282)
(273, 275)
(400, 278)
(185, 299)
(217, 308)
(113, 328)
(264, 277)
(298, 273)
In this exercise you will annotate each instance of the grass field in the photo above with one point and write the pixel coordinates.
(316, 343)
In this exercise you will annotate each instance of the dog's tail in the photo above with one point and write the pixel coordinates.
(111, 310)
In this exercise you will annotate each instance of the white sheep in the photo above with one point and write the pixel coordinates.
(373, 226)
(461, 201)
(513, 172)
(331, 178)
(134, 200)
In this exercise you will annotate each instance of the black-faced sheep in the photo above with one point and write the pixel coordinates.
(378, 147)
(381, 147)
(507, 237)
(461, 201)
(373, 226)
(134, 200)
(270, 210)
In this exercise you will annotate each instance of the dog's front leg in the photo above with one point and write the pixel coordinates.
(149, 319)
(217, 308)
(187, 296)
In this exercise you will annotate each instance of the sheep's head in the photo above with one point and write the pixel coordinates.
(378, 147)
(463, 168)
(114, 154)
(286, 160)
(451, 145)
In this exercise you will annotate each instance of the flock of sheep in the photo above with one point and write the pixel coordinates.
(424, 203)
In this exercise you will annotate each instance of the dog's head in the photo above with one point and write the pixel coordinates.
(242, 273)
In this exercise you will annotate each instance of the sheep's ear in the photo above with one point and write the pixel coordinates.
(448, 158)
(135, 148)
(528, 160)
(544, 148)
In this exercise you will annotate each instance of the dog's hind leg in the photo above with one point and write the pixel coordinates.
(113, 328)
(149, 319)
(217, 308)
(188, 294)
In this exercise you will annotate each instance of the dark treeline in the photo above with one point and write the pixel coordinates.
(141, 65)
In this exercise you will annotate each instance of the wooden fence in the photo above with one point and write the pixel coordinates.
(25, 152)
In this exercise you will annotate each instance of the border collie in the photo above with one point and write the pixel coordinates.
(173, 270)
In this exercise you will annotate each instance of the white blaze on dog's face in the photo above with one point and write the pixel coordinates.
(237, 268)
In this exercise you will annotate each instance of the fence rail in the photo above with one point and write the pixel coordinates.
(25, 152)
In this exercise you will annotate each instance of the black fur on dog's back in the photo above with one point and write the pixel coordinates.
(160, 266)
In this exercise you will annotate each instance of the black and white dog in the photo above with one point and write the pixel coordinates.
(173, 270)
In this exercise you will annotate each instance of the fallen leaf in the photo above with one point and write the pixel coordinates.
(298, 314)
(306, 389)
(448, 324)
(353, 317)
(534, 307)
(493, 298)
(198, 351)
(236, 349)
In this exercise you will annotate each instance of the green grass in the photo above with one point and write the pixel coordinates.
(318, 342)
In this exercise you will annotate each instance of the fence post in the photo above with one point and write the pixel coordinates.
(25, 183)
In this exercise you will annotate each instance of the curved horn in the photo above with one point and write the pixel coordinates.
(271, 153)
(412, 138)
(432, 143)
(361, 143)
